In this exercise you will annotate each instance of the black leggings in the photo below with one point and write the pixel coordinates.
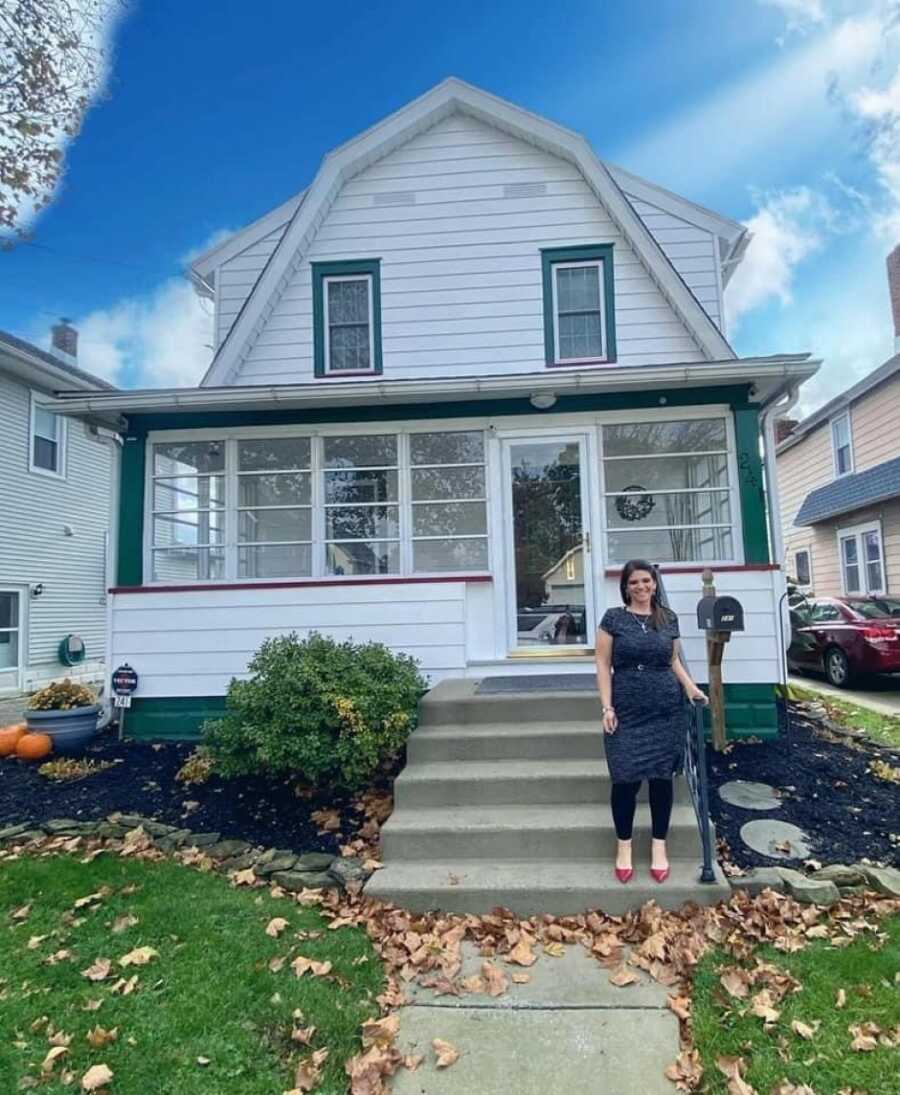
(623, 799)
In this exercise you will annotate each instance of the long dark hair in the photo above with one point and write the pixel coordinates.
(659, 614)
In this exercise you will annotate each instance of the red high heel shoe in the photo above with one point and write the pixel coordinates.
(624, 873)
(660, 873)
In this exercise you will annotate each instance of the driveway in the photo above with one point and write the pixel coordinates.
(881, 694)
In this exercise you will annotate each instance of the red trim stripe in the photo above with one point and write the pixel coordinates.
(200, 586)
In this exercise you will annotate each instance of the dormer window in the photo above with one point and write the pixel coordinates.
(842, 444)
(347, 318)
(579, 316)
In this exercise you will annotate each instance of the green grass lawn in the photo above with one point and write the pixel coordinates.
(881, 728)
(826, 1062)
(209, 993)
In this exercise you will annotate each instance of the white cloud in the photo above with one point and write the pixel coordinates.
(161, 339)
(879, 111)
(787, 228)
(801, 16)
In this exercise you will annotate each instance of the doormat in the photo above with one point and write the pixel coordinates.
(539, 682)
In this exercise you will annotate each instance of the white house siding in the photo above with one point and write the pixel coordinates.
(235, 279)
(192, 644)
(692, 251)
(34, 547)
(460, 262)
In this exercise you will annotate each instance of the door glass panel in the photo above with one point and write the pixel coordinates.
(9, 634)
(548, 543)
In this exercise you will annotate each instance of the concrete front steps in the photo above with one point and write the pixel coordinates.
(505, 801)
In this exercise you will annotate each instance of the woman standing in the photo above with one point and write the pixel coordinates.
(640, 676)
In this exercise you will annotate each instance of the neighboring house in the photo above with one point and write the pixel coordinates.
(56, 482)
(468, 361)
(839, 480)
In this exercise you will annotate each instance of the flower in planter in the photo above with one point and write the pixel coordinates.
(61, 696)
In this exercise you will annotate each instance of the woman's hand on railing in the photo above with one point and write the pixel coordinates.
(697, 695)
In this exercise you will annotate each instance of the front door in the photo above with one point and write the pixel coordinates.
(10, 641)
(549, 548)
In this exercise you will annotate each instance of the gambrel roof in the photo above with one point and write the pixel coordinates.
(305, 212)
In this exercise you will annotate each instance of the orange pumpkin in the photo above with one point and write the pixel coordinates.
(9, 738)
(34, 746)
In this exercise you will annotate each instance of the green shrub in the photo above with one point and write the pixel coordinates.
(328, 712)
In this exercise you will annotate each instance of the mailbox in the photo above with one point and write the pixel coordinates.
(720, 614)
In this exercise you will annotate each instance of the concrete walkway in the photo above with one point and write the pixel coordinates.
(11, 710)
(881, 694)
(567, 1030)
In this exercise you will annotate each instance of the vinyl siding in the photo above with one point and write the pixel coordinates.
(235, 280)
(873, 423)
(34, 548)
(460, 262)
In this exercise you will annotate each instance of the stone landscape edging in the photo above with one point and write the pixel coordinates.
(292, 871)
(823, 886)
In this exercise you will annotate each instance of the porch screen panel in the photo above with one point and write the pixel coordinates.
(448, 500)
(362, 510)
(274, 507)
(667, 495)
(188, 526)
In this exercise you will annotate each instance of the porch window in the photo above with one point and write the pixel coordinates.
(449, 505)
(862, 558)
(667, 491)
(47, 447)
(274, 507)
(347, 318)
(362, 515)
(579, 321)
(188, 522)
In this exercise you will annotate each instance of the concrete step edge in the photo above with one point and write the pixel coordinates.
(502, 818)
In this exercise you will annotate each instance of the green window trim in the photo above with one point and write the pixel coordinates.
(598, 252)
(348, 268)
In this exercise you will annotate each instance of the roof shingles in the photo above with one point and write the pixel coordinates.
(851, 492)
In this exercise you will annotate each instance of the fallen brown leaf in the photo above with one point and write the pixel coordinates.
(494, 979)
(276, 926)
(140, 956)
(98, 1037)
(96, 1077)
(521, 953)
(445, 1052)
(623, 976)
(98, 970)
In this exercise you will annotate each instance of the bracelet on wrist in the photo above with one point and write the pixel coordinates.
(605, 709)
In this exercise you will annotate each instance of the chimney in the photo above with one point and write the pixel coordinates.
(893, 269)
(64, 340)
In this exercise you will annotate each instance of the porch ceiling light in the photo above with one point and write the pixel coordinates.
(543, 401)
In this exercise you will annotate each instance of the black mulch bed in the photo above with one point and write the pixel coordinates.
(260, 811)
(825, 789)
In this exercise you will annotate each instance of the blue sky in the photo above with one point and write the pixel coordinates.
(783, 114)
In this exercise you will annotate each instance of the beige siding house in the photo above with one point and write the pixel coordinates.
(839, 483)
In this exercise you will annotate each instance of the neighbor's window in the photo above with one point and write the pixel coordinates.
(842, 446)
(862, 558)
(48, 441)
(361, 495)
(188, 524)
(667, 493)
(579, 325)
(274, 507)
(449, 508)
(347, 318)
(801, 567)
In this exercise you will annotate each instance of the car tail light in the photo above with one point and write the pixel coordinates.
(879, 634)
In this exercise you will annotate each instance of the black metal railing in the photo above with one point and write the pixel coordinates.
(698, 784)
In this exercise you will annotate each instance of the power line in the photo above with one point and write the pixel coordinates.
(74, 256)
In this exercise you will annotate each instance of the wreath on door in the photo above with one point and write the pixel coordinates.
(634, 503)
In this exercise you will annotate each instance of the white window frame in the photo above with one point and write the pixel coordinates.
(857, 532)
(833, 423)
(61, 440)
(601, 272)
(327, 282)
(807, 551)
(230, 437)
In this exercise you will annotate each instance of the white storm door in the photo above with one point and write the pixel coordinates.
(547, 516)
(10, 640)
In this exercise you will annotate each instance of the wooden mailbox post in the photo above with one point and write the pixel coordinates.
(718, 617)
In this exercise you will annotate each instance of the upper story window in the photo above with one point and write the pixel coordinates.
(842, 444)
(579, 314)
(47, 441)
(802, 569)
(347, 318)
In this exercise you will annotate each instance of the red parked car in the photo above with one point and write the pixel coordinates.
(844, 637)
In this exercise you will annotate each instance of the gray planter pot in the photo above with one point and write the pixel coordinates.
(70, 730)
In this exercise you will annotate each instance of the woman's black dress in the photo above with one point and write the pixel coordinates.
(648, 698)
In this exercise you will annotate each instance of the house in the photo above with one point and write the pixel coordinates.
(468, 360)
(56, 483)
(839, 481)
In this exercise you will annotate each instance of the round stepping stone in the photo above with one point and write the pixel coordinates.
(749, 796)
(776, 839)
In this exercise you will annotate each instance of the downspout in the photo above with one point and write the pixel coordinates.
(113, 441)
